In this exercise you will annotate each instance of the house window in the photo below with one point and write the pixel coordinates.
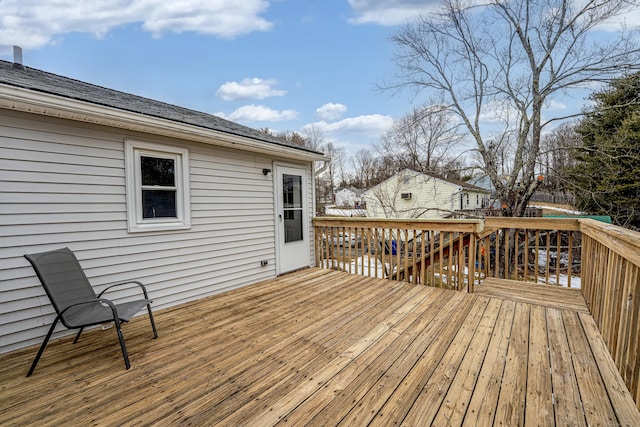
(157, 187)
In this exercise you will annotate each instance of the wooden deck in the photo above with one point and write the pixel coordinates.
(320, 347)
(546, 295)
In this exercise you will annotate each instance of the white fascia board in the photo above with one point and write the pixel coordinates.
(25, 100)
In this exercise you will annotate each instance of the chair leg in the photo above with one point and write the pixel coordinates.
(125, 355)
(78, 336)
(153, 324)
(44, 344)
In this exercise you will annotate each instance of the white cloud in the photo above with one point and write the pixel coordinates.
(331, 111)
(36, 23)
(398, 12)
(259, 113)
(372, 124)
(250, 88)
(389, 12)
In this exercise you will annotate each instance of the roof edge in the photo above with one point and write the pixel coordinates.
(35, 102)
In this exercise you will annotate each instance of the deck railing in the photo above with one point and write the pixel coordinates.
(611, 287)
(449, 253)
(601, 259)
(537, 250)
(434, 253)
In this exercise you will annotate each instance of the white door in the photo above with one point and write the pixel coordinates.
(291, 216)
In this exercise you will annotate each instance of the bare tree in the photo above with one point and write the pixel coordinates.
(422, 139)
(314, 137)
(365, 167)
(556, 156)
(499, 63)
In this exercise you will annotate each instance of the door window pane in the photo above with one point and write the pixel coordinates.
(292, 225)
(292, 191)
(292, 205)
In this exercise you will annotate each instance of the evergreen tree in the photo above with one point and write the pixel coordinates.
(607, 173)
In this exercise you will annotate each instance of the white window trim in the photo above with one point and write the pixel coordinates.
(135, 222)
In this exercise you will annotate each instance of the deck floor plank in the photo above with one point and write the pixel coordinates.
(618, 394)
(348, 335)
(539, 404)
(321, 347)
(597, 407)
(545, 295)
(396, 362)
(510, 408)
(566, 393)
(401, 400)
(427, 404)
(482, 407)
(456, 401)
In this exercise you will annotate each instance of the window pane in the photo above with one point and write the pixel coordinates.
(292, 191)
(158, 171)
(158, 204)
(292, 225)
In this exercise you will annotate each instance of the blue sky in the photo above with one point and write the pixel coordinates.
(280, 64)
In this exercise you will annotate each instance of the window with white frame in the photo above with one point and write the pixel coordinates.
(157, 187)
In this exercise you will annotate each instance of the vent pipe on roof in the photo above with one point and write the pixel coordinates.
(17, 58)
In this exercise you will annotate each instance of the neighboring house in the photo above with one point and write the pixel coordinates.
(349, 197)
(411, 194)
(186, 202)
(483, 181)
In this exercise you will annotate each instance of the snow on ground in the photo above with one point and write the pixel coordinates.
(554, 279)
(558, 209)
(372, 267)
(345, 212)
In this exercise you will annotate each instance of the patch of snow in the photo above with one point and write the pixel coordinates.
(345, 212)
(557, 209)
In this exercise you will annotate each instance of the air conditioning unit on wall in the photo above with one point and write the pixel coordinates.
(405, 196)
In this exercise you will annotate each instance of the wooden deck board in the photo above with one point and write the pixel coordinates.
(320, 347)
(510, 408)
(537, 294)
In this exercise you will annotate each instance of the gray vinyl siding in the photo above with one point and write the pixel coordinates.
(63, 184)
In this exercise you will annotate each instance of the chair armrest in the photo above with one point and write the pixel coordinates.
(144, 289)
(91, 301)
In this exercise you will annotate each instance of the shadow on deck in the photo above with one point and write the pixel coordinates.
(321, 347)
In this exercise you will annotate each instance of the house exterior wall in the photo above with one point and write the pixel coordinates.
(431, 198)
(470, 199)
(62, 183)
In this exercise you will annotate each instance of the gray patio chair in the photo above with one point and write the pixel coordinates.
(75, 302)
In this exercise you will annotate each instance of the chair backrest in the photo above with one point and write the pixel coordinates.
(62, 277)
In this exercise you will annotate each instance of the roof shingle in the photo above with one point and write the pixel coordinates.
(45, 82)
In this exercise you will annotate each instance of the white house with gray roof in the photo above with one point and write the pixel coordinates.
(411, 194)
(186, 202)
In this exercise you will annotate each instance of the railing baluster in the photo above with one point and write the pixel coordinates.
(497, 252)
(516, 255)
(383, 245)
(423, 254)
(548, 260)
(432, 249)
(536, 265)
(570, 259)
